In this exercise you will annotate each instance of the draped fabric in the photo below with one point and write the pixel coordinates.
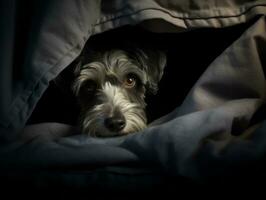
(217, 130)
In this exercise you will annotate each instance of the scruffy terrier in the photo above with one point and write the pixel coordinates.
(111, 86)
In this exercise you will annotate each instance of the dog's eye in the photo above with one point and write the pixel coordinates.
(130, 81)
(89, 87)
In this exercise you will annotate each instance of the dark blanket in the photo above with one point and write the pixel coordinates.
(217, 133)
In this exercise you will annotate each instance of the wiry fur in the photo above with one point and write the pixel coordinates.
(107, 71)
(113, 98)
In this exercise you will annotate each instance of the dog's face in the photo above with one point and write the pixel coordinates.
(111, 90)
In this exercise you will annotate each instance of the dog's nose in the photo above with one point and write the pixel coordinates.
(115, 123)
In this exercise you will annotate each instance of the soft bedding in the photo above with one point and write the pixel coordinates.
(217, 133)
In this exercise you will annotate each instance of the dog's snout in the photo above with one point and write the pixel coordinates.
(115, 123)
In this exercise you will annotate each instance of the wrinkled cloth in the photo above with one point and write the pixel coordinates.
(210, 134)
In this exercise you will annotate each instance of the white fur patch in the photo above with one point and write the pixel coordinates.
(116, 97)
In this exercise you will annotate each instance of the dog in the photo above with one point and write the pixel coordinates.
(111, 85)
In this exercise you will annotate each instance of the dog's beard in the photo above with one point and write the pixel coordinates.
(113, 99)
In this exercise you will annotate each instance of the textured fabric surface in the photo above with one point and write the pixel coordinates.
(215, 132)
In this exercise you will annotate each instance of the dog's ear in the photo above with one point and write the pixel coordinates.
(154, 62)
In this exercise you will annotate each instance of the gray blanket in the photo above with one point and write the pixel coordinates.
(213, 133)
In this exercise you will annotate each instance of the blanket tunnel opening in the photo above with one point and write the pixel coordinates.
(189, 53)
